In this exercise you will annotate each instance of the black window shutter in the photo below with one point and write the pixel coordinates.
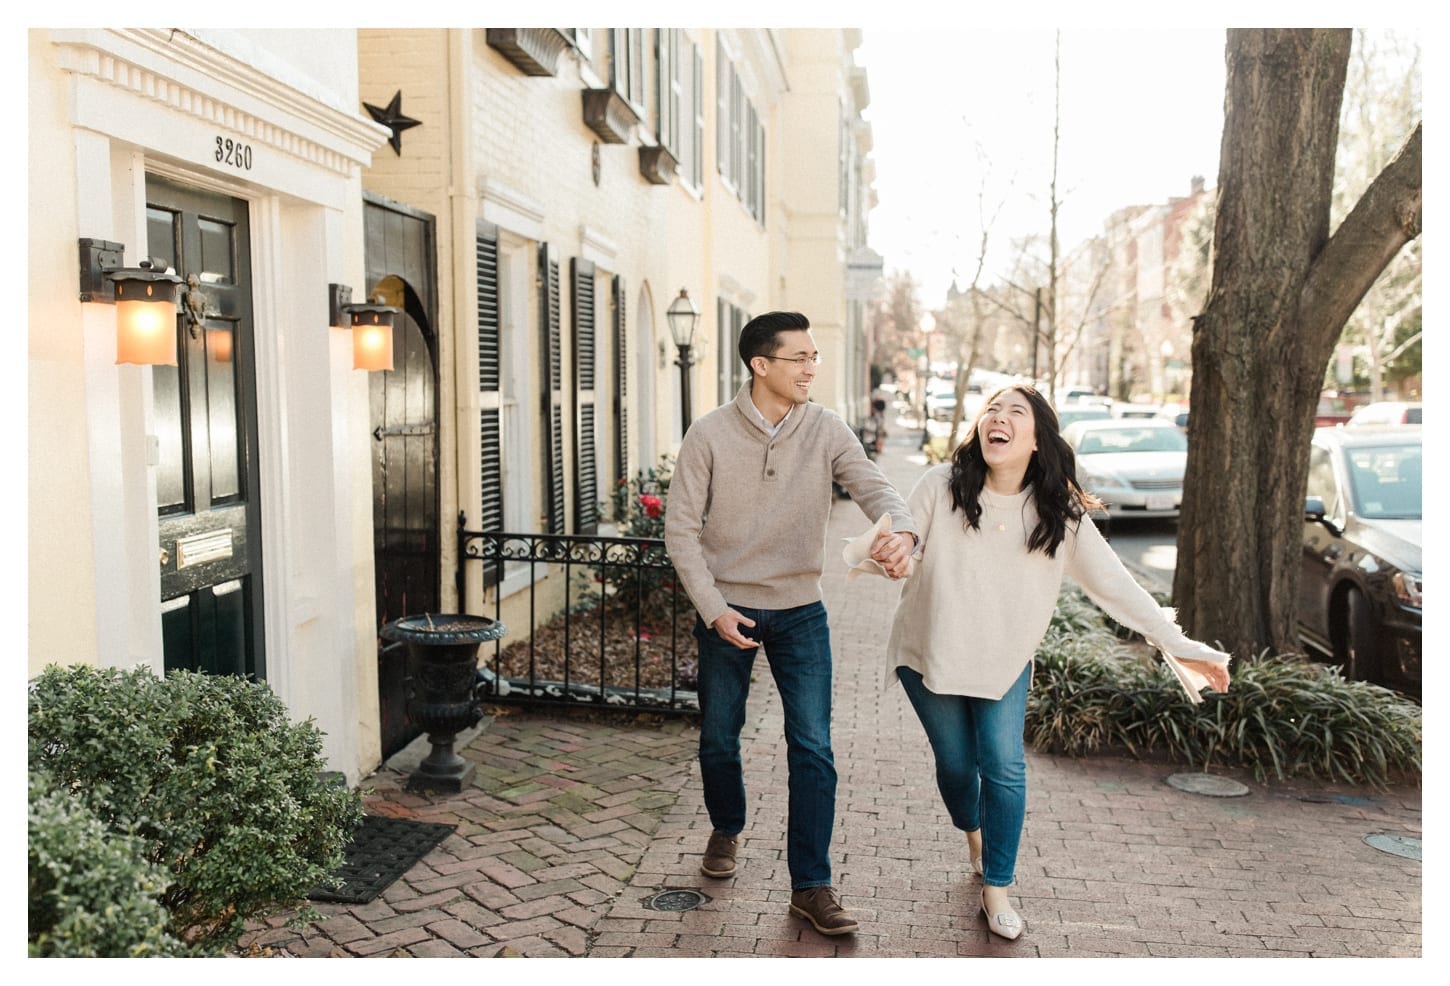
(621, 385)
(553, 404)
(490, 459)
(586, 471)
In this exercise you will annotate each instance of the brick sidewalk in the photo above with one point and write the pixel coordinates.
(574, 822)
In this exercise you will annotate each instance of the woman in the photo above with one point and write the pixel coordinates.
(1000, 525)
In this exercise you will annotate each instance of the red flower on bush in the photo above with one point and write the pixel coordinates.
(653, 506)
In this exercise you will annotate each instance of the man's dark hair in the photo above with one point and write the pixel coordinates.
(759, 336)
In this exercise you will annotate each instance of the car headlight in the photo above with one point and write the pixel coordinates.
(1407, 588)
(1098, 481)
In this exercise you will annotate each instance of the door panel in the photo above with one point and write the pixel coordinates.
(403, 416)
(405, 479)
(204, 412)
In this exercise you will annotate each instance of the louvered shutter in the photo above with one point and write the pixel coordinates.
(621, 384)
(553, 396)
(586, 470)
(490, 459)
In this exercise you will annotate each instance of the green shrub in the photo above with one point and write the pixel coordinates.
(1283, 716)
(92, 892)
(223, 792)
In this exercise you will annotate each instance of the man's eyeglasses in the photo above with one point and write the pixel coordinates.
(799, 360)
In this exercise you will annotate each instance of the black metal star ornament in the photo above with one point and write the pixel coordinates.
(391, 116)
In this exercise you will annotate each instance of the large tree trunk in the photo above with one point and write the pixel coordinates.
(1282, 291)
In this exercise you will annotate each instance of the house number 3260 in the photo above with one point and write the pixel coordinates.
(234, 153)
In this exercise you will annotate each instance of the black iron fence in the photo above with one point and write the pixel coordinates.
(606, 622)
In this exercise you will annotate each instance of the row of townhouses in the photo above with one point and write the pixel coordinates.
(525, 205)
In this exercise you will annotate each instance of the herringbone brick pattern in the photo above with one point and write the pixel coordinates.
(573, 823)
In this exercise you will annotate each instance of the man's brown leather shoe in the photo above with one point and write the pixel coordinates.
(719, 858)
(821, 906)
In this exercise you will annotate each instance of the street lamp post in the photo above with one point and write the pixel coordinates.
(683, 316)
(927, 326)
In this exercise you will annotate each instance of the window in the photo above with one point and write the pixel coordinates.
(1321, 481)
(680, 103)
(626, 66)
(732, 372)
(695, 166)
(724, 71)
(740, 154)
(669, 94)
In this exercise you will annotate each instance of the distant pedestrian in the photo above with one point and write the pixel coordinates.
(749, 501)
(1000, 525)
(873, 432)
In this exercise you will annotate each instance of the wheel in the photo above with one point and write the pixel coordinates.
(1360, 661)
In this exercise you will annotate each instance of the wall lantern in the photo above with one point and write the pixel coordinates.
(683, 316)
(372, 334)
(144, 296)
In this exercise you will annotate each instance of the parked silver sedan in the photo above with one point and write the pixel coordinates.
(1134, 465)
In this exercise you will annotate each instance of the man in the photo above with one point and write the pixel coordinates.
(749, 500)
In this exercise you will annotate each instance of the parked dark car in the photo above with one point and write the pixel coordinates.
(1359, 588)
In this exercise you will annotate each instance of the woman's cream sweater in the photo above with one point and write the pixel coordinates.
(977, 603)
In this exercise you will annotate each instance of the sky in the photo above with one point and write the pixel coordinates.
(962, 129)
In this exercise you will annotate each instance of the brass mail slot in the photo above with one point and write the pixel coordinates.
(200, 548)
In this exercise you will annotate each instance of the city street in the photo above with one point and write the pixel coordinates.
(576, 828)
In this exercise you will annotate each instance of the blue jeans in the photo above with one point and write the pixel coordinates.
(797, 644)
(981, 765)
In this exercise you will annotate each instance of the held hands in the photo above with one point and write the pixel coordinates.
(892, 550)
(728, 625)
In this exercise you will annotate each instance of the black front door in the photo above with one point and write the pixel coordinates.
(205, 418)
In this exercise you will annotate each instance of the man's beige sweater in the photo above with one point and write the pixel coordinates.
(745, 524)
(977, 604)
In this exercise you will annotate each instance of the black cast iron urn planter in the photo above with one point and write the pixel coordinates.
(442, 670)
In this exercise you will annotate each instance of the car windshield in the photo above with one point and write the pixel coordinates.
(1386, 481)
(1098, 440)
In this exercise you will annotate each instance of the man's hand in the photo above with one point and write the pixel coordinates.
(728, 625)
(893, 550)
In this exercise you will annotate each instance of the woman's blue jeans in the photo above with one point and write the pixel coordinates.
(797, 644)
(981, 765)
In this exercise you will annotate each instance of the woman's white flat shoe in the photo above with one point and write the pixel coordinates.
(1007, 924)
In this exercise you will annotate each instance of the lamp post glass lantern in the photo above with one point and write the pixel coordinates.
(683, 316)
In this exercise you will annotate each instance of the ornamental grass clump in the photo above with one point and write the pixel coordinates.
(223, 799)
(1282, 716)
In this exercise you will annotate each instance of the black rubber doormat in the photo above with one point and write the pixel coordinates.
(382, 849)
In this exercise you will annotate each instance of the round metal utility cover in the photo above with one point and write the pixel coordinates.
(1395, 845)
(675, 900)
(1208, 784)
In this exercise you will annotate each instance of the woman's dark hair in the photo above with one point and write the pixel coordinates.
(1052, 474)
(758, 337)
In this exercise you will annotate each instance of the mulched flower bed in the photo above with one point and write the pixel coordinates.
(620, 649)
